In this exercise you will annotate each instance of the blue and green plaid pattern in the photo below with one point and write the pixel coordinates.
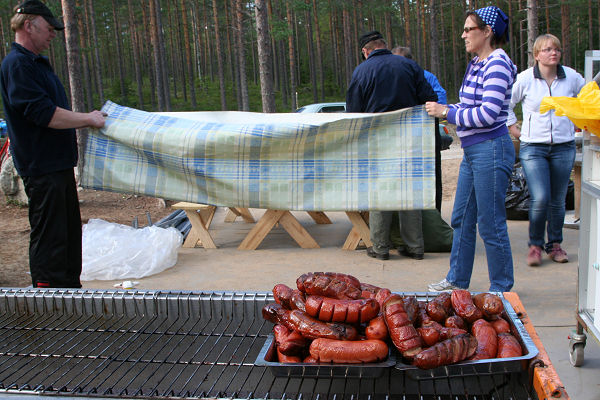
(368, 162)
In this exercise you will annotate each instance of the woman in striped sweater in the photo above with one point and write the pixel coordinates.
(489, 154)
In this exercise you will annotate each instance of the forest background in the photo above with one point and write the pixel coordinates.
(273, 55)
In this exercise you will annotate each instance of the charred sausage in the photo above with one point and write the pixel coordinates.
(344, 352)
(508, 346)
(403, 333)
(330, 284)
(307, 326)
(454, 321)
(335, 310)
(289, 298)
(464, 307)
(449, 351)
(285, 359)
(440, 307)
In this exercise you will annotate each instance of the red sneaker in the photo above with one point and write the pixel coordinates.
(534, 257)
(557, 254)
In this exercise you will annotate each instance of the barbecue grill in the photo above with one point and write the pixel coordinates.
(155, 344)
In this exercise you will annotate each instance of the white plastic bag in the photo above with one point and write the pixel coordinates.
(114, 251)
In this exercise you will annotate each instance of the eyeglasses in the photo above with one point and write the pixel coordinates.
(468, 29)
(551, 49)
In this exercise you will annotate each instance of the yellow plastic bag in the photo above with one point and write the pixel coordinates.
(583, 111)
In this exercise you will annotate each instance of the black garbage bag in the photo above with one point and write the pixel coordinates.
(517, 195)
(570, 200)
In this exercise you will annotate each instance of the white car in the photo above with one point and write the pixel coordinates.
(323, 108)
(341, 107)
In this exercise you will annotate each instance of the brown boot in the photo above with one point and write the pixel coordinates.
(534, 257)
(557, 254)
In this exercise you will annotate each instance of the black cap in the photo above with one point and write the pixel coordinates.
(36, 7)
(368, 37)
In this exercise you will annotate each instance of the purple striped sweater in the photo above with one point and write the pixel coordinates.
(484, 99)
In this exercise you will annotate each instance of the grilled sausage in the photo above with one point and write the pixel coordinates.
(423, 317)
(287, 359)
(508, 346)
(403, 333)
(334, 310)
(449, 351)
(430, 333)
(330, 284)
(500, 325)
(440, 307)
(307, 326)
(369, 291)
(490, 304)
(289, 298)
(411, 306)
(382, 295)
(454, 321)
(487, 341)
(344, 352)
(289, 343)
(377, 329)
(464, 307)
(310, 360)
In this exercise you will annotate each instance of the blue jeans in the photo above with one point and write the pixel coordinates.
(479, 203)
(547, 169)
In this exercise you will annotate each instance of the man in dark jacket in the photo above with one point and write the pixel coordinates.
(385, 82)
(43, 143)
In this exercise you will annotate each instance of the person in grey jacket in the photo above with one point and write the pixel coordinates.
(547, 148)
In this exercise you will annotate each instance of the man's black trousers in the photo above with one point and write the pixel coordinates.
(55, 240)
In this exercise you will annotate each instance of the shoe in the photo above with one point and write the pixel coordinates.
(534, 257)
(557, 254)
(415, 256)
(383, 256)
(442, 286)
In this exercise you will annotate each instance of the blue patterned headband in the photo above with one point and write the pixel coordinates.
(494, 17)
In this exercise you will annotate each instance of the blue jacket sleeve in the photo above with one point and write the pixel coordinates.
(437, 87)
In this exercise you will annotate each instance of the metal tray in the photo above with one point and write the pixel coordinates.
(268, 357)
(479, 367)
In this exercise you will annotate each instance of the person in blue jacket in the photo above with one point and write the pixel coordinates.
(431, 78)
(43, 144)
(385, 82)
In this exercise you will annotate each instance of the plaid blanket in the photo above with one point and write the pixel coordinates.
(350, 162)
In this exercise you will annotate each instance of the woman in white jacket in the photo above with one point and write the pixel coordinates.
(547, 150)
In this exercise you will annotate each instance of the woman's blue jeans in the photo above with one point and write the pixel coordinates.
(547, 170)
(480, 203)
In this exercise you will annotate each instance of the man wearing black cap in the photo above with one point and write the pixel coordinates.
(43, 143)
(385, 82)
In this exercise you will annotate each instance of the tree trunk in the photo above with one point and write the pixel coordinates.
(566, 36)
(407, 40)
(311, 53)
(263, 39)
(434, 63)
(96, 47)
(87, 81)
(239, 16)
(136, 53)
(292, 56)
(158, 64)
(189, 65)
(221, 70)
(74, 68)
(319, 58)
(163, 55)
(117, 39)
(349, 59)
(532, 29)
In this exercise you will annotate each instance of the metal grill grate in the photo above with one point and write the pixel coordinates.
(182, 345)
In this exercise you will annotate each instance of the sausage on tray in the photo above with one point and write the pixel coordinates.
(377, 329)
(345, 352)
(487, 341)
(289, 298)
(449, 351)
(490, 304)
(335, 310)
(439, 308)
(307, 326)
(464, 307)
(401, 331)
(290, 343)
(411, 306)
(454, 321)
(287, 359)
(330, 284)
(508, 346)
(500, 325)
